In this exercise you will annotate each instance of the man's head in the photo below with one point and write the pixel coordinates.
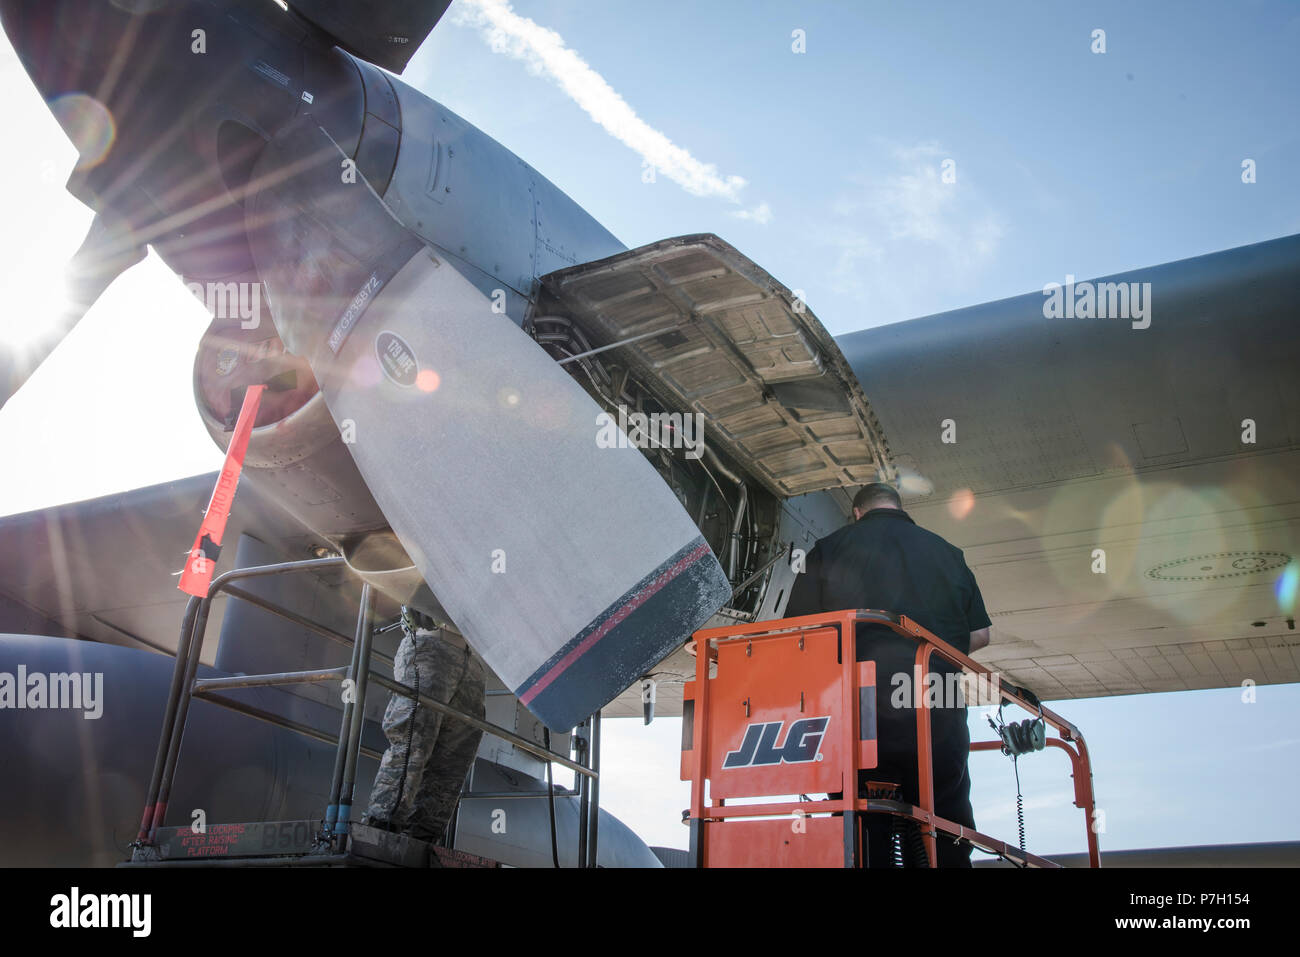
(875, 495)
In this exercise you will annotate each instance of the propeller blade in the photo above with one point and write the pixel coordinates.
(572, 569)
(385, 32)
(107, 252)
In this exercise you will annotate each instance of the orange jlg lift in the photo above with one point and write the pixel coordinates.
(785, 708)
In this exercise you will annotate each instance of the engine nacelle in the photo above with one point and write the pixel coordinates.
(299, 455)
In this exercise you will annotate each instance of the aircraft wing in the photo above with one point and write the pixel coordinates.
(103, 569)
(1127, 497)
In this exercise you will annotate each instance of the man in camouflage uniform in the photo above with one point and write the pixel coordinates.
(429, 754)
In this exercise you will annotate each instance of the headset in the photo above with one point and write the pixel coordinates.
(1021, 737)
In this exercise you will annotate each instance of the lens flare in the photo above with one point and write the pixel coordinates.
(365, 372)
(428, 380)
(961, 503)
(1288, 583)
(89, 125)
(911, 483)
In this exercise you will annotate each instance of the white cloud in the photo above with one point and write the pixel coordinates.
(546, 54)
(902, 233)
(761, 214)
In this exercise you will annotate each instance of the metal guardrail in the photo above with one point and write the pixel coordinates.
(185, 686)
(845, 625)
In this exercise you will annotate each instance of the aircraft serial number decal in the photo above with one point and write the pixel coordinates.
(353, 312)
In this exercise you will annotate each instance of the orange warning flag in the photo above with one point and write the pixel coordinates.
(202, 561)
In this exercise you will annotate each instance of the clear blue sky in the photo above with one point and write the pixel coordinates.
(1066, 161)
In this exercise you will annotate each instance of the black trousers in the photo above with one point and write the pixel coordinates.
(951, 801)
(896, 750)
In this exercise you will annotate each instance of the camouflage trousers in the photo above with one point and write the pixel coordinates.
(420, 778)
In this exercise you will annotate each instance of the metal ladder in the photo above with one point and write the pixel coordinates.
(335, 839)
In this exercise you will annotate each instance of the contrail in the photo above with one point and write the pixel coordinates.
(545, 52)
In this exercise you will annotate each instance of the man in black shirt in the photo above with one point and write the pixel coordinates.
(884, 560)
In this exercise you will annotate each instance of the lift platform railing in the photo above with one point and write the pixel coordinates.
(185, 687)
(846, 690)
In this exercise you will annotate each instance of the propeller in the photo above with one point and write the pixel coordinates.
(385, 32)
(109, 250)
(572, 569)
